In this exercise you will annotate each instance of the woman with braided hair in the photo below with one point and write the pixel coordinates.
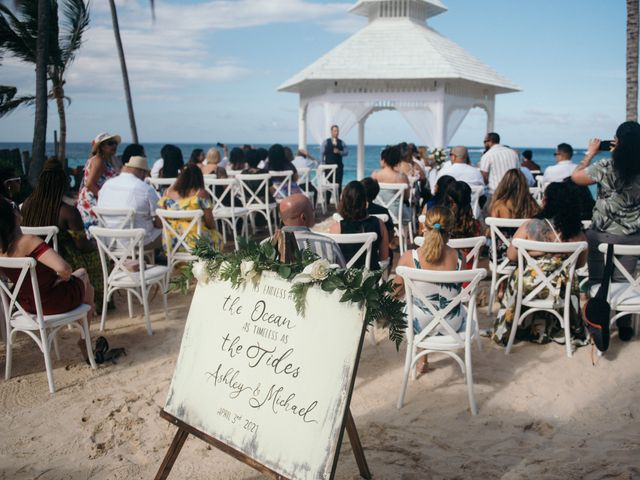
(45, 206)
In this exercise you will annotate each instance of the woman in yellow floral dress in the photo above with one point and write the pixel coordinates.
(188, 193)
(557, 222)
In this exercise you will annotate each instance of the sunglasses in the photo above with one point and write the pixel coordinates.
(110, 143)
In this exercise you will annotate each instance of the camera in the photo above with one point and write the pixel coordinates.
(221, 145)
(605, 145)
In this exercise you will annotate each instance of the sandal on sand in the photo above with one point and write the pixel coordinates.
(102, 347)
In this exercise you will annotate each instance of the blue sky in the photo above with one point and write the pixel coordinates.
(207, 71)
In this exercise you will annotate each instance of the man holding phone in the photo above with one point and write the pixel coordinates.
(564, 166)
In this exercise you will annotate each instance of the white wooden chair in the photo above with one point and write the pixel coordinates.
(254, 192)
(139, 283)
(366, 241)
(391, 197)
(382, 216)
(304, 181)
(228, 216)
(48, 234)
(624, 297)
(476, 192)
(160, 184)
(41, 328)
(326, 182)
(537, 193)
(549, 282)
(500, 271)
(427, 339)
(176, 244)
(281, 183)
(232, 173)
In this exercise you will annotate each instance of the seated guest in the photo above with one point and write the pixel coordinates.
(263, 155)
(439, 197)
(406, 164)
(460, 169)
(458, 199)
(434, 254)
(304, 160)
(61, 288)
(278, 162)
(197, 156)
(236, 160)
(132, 150)
(616, 214)
(356, 219)
(188, 193)
(212, 164)
(389, 159)
(129, 190)
(585, 199)
(372, 189)
(298, 217)
(556, 222)
(512, 198)
(564, 166)
(252, 162)
(528, 162)
(46, 207)
(172, 161)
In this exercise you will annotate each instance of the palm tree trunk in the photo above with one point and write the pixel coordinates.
(58, 93)
(38, 149)
(125, 75)
(632, 60)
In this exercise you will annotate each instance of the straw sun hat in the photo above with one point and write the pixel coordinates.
(103, 137)
(138, 162)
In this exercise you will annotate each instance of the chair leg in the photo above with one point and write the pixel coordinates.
(130, 304)
(469, 378)
(164, 300)
(7, 366)
(105, 300)
(87, 342)
(492, 290)
(514, 325)
(268, 215)
(56, 349)
(145, 305)
(47, 361)
(405, 375)
(567, 332)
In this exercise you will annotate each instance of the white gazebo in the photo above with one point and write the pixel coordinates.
(395, 62)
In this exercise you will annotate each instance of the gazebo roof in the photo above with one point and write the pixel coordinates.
(398, 48)
(433, 7)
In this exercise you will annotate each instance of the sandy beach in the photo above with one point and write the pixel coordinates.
(541, 414)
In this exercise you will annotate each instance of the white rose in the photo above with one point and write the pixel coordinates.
(199, 270)
(247, 269)
(318, 270)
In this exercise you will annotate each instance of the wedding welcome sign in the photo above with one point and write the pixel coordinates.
(265, 381)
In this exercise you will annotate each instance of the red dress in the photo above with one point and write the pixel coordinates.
(56, 298)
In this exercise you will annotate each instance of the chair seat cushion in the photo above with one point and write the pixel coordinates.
(29, 322)
(228, 212)
(131, 279)
(618, 297)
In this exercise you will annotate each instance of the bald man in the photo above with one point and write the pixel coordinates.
(298, 217)
(460, 168)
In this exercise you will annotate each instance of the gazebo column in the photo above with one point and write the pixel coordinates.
(360, 173)
(440, 133)
(302, 125)
(491, 112)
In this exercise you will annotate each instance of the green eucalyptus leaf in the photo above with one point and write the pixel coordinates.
(284, 271)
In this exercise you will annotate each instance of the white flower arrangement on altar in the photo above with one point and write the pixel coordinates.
(440, 156)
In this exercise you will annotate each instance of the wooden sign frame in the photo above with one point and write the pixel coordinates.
(184, 430)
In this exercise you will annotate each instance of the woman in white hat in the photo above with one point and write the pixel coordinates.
(98, 169)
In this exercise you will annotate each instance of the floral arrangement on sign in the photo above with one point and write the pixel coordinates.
(440, 156)
(251, 259)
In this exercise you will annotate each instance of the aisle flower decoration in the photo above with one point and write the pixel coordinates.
(440, 156)
(248, 262)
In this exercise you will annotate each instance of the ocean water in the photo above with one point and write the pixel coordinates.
(79, 152)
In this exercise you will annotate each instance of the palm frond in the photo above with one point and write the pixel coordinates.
(17, 37)
(9, 102)
(75, 21)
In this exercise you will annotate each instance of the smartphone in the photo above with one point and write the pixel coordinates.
(605, 145)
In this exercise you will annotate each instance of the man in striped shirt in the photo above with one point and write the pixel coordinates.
(496, 160)
(298, 217)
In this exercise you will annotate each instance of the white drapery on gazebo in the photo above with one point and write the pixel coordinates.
(395, 62)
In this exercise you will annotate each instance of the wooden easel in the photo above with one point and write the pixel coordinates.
(184, 430)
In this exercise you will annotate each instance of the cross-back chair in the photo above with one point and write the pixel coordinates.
(128, 269)
(391, 197)
(223, 193)
(48, 234)
(556, 283)
(176, 243)
(41, 328)
(430, 339)
(254, 192)
(326, 183)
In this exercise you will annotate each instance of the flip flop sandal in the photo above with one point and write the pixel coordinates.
(102, 347)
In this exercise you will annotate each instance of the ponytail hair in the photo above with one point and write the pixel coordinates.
(438, 223)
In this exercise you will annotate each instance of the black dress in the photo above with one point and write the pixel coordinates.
(369, 224)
